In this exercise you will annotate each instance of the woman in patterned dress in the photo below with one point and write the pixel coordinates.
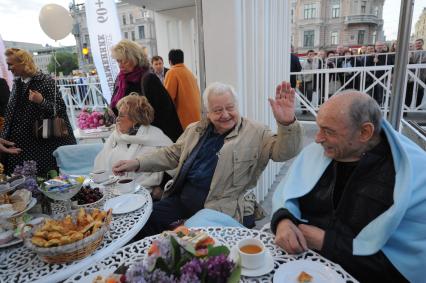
(32, 98)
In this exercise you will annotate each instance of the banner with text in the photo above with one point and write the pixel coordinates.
(104, 32)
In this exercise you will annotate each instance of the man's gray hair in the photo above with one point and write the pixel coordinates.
(363, 108)
(218, 89)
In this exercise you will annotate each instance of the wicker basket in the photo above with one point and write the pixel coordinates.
(73, 251)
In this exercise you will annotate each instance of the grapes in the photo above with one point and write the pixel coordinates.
(87, 195)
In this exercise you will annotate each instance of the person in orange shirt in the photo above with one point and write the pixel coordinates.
(182, 87)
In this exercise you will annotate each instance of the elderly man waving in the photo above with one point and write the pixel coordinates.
(219, 159)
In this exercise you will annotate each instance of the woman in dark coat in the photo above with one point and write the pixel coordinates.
(32, 98)
(4, 96)
(135, 76)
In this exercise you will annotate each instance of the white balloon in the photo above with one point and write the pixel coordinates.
(55, 21)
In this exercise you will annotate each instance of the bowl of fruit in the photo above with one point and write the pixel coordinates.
(88, 197)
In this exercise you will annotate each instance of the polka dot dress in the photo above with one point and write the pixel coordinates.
(20, 116)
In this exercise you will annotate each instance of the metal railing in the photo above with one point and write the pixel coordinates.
(338, 73)
(79, 93)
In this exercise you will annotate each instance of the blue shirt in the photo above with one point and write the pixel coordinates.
(199, 178)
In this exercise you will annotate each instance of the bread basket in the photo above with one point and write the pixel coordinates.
(73, 251)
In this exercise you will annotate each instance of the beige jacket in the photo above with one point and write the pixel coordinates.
(244, 155)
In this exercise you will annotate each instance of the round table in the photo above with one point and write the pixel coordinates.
(19, 264)
(228, 236)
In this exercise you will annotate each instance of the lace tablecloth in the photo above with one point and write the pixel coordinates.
(227, 236)
(19, 264)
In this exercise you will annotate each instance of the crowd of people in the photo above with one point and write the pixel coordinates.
(378, 54)
(356, 195)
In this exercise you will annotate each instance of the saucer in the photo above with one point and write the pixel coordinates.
(267, 267)
(116, 192)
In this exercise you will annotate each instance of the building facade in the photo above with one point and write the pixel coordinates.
(420, 28)
(328, 23)
(136, 23)
(42, 55)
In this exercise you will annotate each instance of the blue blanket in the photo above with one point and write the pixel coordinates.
(400, 232)
(77, 159)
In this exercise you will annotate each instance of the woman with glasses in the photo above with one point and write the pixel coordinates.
(134, 135)
(135, 76)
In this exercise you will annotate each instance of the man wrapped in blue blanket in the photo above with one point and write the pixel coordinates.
(357, 195)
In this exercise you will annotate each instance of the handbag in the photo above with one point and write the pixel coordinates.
(50, 128)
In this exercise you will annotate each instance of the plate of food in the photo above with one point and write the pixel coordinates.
(88, 196)
(10, 232)
(16, 203)
(306, 271)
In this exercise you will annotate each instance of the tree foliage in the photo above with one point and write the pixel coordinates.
(67, 62)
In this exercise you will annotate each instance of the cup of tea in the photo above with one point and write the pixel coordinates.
(125, 186)
(99, 176)
(252, 253)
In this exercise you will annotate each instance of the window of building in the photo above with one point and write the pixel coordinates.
(361, 36)
(124, 19)
(309, 11)
(363, 7)
(141, 30)
(126, 35)
(335, 11)
(334, 38)
(308, 38)
(376, 11)
(374, 37)
(292, 15)
(131, 18)
(133, 35)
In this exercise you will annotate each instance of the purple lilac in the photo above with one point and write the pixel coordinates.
(192, 268)
(219, 267)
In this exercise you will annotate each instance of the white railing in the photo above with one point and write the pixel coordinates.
(79, 93)
(317, 85)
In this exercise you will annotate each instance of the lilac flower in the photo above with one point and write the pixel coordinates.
(219, 267)
(191, 271)
(138, 273)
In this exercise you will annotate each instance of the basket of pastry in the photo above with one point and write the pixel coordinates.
(69, 237)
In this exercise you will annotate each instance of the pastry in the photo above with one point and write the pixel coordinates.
(304, 277)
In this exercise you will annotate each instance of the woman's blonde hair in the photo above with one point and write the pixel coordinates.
(130, 50)
(138, 107)
(23, 57)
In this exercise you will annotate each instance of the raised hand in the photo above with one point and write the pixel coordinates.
(283, 104)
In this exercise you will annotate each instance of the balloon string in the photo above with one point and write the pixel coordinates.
(55, 80)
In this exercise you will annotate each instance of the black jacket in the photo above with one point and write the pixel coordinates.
(366, 194)
(20, 116)
(294, 67)
(165, 115)
(4, 96)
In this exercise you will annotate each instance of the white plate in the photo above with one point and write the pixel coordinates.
(125, 203)
(288, 272)
(29, 206)
(116, 192)
(11, 243)
(89, 278)
(264, 269)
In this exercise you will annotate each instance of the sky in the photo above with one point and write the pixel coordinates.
(19, 20)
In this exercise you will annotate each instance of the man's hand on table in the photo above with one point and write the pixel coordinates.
(290, 238)
(314, 236)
